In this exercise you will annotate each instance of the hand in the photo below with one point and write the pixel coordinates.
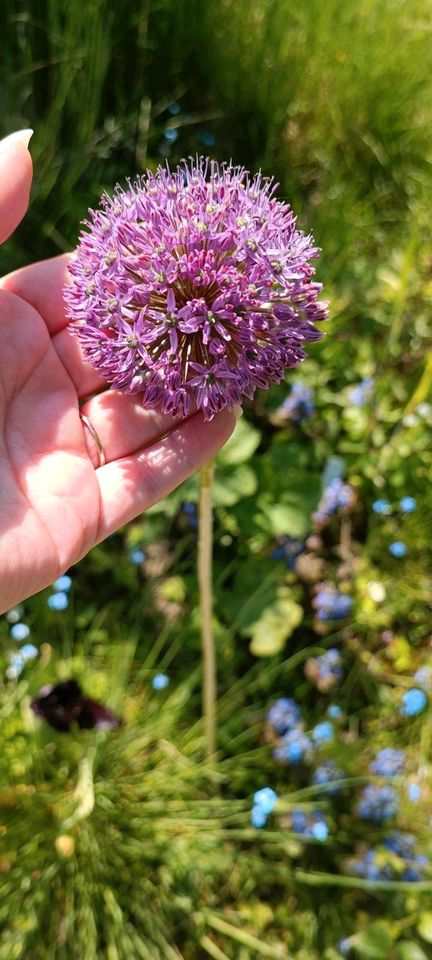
(56, 502)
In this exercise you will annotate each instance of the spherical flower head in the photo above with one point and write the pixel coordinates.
(389, 762)
(284, 715)
(413, 702)
(193, 287)
(62, 584)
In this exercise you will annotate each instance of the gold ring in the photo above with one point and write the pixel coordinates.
(87, 423)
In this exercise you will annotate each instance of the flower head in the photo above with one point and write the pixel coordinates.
(193, 287)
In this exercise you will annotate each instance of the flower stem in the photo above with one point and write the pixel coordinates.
(205, 577)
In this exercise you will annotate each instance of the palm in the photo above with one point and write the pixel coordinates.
(51, 499)
(55, 501)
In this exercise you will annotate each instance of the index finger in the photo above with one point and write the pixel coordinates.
(41, 285)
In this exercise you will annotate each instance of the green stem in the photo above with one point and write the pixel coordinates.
(205, 580)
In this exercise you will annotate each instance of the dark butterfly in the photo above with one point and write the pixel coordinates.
(64, 706)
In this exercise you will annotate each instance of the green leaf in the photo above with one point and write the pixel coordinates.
(232, 485)
(298, 497)
(410, 950)
(241, 445)
(277, 623)
(374, 942)
(424, 926)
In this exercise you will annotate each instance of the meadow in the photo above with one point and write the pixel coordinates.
(309, 838)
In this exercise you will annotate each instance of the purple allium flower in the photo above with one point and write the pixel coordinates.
(378, 803)
(337, 496)
(194, 287)
(388, 762)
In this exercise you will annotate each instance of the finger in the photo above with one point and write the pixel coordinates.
(83, 375)
(133, 484)
(123, 425)
(41, 284)
(16, 172)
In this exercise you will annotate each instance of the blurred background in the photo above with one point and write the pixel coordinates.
(124, 843)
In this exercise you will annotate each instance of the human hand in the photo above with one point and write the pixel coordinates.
(56, 500)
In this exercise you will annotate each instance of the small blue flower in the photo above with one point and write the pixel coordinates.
(266, 798)
(160, 681)
(388, 762)
(344, 946)
(337, 496)
(136, 557)
(408, 504)
(171, 134)
(330, 604)
(258, 817)
(398, 549)
(284, 715)
(413, 792)
(423, 677)
(311, 825)
(413, 702)
(334, 711)
(378, 803)
(294, 747)
(323, 732)
(328, 773)
(58, 601)
(320, 831)
(62, 584)
(15, 614)
(325, 671)
(190, 511)
(174, 109)
(29, 651)
(207, 138)
(299, 405)
(382, 507)
(19, 632)
(360, 392)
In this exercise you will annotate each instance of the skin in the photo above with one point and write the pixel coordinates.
(56, 502)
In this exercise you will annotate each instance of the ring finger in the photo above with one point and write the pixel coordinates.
(122, 425)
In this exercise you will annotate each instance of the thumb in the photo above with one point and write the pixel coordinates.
(15, 180)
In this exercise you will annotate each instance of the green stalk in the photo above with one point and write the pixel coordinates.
(205, 581)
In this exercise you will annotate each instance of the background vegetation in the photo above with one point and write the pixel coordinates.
(125, 843)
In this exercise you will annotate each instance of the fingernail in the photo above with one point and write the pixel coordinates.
(238, 412)
(20, 136)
